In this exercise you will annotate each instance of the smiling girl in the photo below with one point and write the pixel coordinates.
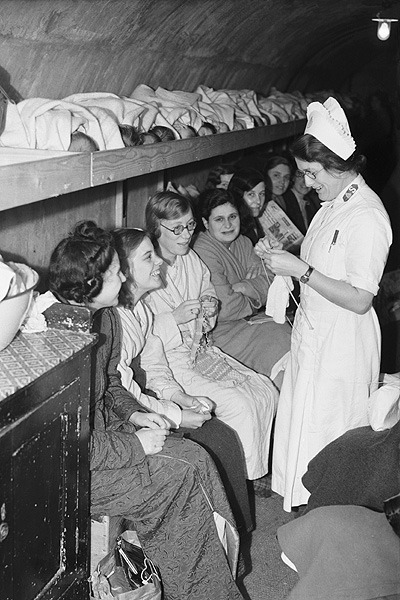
(143, 361)
(137, 470)
(241, 285)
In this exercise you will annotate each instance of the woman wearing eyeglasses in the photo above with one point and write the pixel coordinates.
(334, 361)
(185, 309)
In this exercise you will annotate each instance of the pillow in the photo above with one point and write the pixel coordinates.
(384, 404)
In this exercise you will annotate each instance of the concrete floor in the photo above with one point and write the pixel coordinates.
(266, 577)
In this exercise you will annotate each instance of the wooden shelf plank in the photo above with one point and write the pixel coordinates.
(115, 165)
(28, 182)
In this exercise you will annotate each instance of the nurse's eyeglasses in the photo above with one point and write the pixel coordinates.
(191, 226)
(310, 174)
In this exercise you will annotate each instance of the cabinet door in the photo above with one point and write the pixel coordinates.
(47, 513)
(6, 543)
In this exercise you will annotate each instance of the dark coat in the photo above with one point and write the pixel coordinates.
(293, 209)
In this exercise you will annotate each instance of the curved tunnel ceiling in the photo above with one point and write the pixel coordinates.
(53, 48)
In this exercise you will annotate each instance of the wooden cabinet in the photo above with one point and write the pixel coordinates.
(44, 474)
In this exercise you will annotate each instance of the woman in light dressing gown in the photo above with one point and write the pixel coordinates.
(334, 359)
(185, 308)
(145, 373)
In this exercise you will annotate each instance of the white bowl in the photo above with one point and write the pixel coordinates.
(13, 309)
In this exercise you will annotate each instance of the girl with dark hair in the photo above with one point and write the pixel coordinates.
(185, 309)
(334, 360)
(145, 372)
(219, 177)
(249, 190)
(241, 285)
(158, 482)
(279, 171)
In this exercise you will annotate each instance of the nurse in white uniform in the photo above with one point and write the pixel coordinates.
(333, 364)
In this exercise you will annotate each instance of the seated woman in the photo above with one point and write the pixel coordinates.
(241, 284)
(301, 202)
(140, 264)
(248, 188)
(279, 170)
(219, 177)
(185, 311)
(137, 470)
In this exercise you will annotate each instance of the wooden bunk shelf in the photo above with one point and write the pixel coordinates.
(115, 165)
(34, 180)
(27, 182)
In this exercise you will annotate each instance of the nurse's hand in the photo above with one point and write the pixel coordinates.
(265, 245)
(284, 263)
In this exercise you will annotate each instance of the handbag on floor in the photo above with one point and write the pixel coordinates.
(126, 573)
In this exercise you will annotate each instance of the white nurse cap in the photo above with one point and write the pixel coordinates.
(328, 123)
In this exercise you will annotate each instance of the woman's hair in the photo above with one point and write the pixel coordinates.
(275, 160)
(78, 263)
(214, 176)
(309, 149)
(164, 205)
(243, 181)
(210, 199)
(126, 240)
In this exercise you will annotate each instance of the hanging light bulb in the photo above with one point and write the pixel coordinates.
(384, 27)
(383, 31)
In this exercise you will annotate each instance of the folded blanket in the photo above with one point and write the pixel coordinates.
(129, 111)
(48, 124)
(342, 553)
(173, 106)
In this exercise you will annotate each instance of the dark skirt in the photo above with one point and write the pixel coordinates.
(223, 445)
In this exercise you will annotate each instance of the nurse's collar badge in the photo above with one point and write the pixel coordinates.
(351, 190)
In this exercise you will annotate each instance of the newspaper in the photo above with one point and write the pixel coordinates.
(277, 225)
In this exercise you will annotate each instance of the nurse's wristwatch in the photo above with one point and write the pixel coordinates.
(304, 278)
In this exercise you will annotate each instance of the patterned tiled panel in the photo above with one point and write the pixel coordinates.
(31, 354)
